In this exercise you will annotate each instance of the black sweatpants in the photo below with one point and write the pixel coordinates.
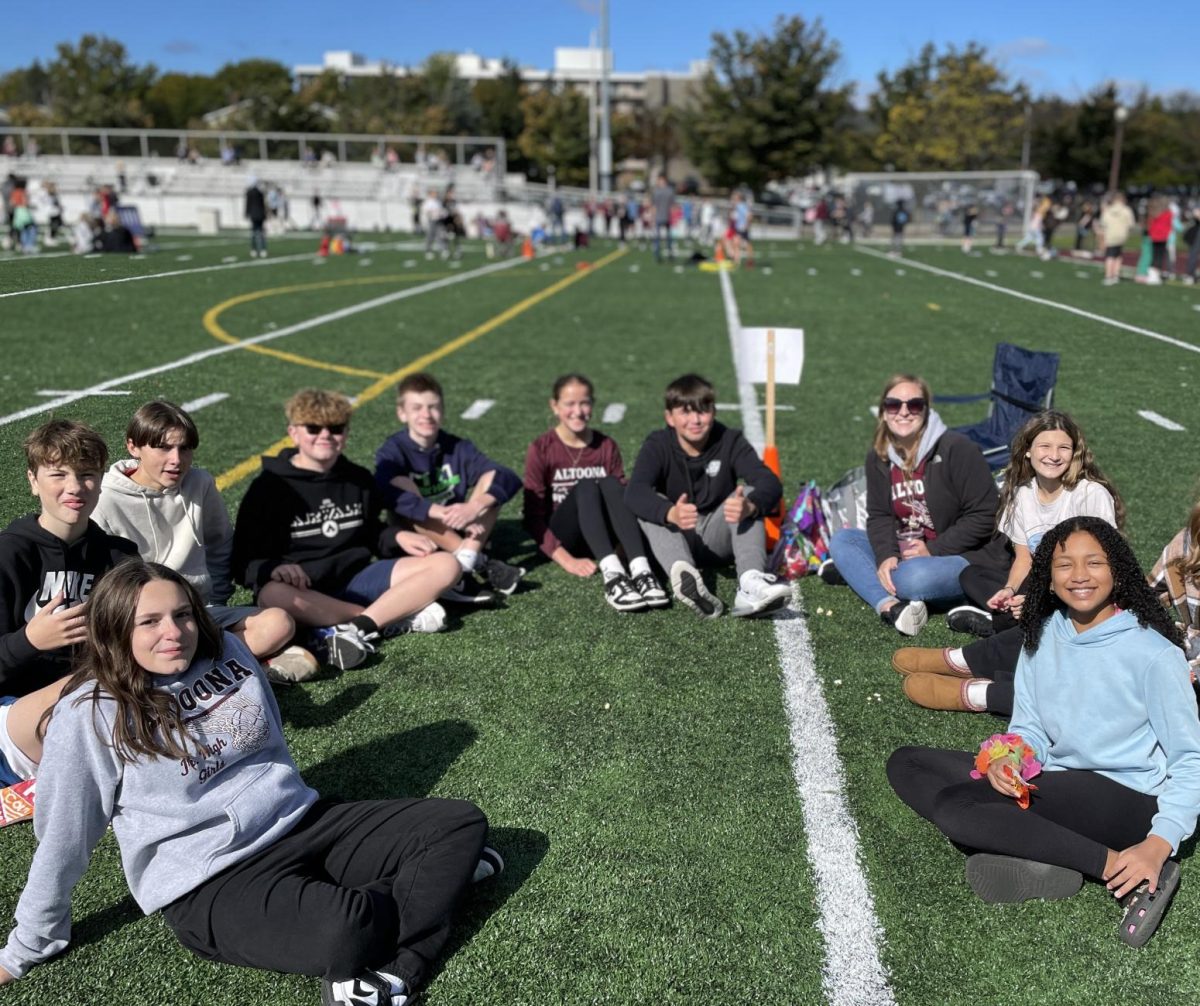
(979, 582)
(1075, 817)
(591, 515)
(370, 884)
(996, 658)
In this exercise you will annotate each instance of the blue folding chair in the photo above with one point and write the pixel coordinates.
(1022, 383)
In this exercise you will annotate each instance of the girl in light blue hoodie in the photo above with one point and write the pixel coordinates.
(1105, 706)
(169, 731)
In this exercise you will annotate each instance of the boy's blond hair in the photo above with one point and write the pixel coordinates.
(313, 405)
(67, 444)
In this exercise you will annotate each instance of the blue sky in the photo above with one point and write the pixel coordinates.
(1065, 48)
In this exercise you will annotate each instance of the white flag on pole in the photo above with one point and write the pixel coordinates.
(789, 355)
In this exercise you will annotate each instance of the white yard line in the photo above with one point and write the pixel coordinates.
(478, 408)
(1163, 421)
(613, 413)
(54, 393)
(200, 403)
(853, 974)
(185, 361)
(996, 288)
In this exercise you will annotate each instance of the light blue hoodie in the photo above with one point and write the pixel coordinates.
(1115, 699)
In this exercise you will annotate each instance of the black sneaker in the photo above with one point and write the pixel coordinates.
(828, 572)
(502, 576)
(491, 864)
(344, 646)
(468, 591)
(688, 586)
(969, 619)
(652, 593)
(621, 594)
(1005, 879)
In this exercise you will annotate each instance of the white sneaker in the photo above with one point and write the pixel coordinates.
(759, 593)
(293, 665)
(908, 617)
(688, 586)
(431, 618)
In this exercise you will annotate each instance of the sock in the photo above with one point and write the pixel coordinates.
(366, 623)
(611, 566)
(976, 694)
(957, 659)
(639, 566)
(468, 558)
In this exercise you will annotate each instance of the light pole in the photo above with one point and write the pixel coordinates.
(1120, 114)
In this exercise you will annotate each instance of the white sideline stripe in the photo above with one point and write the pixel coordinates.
(1179, 343)
(853, 974)
(300, 326)
(1163, 421)
(200, 403)
(229, 263)
(478, 408)
(50, 393)
(613, 413)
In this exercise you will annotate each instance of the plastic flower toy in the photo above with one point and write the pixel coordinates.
(1018, 764)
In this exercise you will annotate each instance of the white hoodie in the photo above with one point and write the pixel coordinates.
(186, 528)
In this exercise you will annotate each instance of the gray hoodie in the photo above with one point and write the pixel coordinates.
(177, 823)
(186, 528)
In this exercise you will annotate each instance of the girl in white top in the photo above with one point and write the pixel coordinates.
(1051, 476)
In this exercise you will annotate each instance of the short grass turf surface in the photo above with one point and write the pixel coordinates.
(636, 769)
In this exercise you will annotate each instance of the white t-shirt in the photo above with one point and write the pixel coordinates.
(1028, 520)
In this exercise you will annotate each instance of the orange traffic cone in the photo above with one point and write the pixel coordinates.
(720, 255)
(773, 521)
(527, 248)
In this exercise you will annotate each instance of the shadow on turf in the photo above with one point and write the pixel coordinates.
(298, 709)
(407, 764)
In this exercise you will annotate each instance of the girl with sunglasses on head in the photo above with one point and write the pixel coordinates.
(169, 732)
(931, 505)
(575, 502)
(1105, 726)
(1051, 476)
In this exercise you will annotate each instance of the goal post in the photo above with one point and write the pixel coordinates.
(935, 199)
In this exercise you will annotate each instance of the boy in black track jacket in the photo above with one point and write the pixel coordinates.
(699, 492)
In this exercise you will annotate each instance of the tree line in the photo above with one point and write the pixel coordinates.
(772, 106)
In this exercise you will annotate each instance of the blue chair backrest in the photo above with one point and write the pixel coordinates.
(1022, 383)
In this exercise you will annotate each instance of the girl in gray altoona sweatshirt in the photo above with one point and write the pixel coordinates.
(169, 732)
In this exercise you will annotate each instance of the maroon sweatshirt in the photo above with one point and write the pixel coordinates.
(552, 470)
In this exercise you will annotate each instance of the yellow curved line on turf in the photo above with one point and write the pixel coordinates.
(250, 465)
(214, 328)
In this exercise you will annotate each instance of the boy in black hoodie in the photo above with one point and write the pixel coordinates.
(309, 528)
(49, 563)
(700, 491)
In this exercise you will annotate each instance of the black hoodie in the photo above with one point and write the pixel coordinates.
(325, 522)
(34, 566)
(663, 473)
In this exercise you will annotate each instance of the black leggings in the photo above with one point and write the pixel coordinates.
(591, 515)
(979, 581)
(354, 886)
(995, 658)
(1074, 819)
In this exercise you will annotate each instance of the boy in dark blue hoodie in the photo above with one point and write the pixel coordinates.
(49, 563)
(449, 490)
(700, 491)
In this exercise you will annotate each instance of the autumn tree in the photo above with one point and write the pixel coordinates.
(770, 107)
(950, 111)
(556, 134)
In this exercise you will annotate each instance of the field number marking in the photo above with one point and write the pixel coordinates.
(478, 408)
(199, 403)
(1163, 421)
(613, 413)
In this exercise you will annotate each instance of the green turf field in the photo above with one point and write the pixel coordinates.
(637, 769)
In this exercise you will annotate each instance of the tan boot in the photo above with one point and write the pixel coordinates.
(926, 660)
(936, 691)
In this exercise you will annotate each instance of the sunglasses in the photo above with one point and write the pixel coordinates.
(915, 405)
(335, 429)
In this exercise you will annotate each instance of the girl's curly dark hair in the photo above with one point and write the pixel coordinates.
(1130, 591)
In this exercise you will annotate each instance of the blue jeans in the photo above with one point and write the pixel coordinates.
(925, 578)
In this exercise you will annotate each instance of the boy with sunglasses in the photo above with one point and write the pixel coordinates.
(307, 534)
(174, 513)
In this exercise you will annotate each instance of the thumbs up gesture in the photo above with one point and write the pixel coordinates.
(683, 514)
(737, 507)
